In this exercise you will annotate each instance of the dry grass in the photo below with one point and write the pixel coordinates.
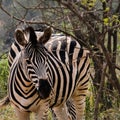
(8, 113)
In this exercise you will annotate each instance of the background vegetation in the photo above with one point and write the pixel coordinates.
(93, 23)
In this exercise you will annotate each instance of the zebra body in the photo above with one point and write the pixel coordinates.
(46, 75)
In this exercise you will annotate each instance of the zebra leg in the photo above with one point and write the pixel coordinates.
(79, 95)
(61, 112)
(79, 102)
(53, 115)
(22, 115)
(71, 110)
(42, 112)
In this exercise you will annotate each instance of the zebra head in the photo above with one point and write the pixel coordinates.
(34, 58)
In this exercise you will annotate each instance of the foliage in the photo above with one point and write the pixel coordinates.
(3, 75)
(7, 113)
(88, 3)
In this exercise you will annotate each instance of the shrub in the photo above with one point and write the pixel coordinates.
(3, 75)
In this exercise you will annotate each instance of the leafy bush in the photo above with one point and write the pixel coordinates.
(3, 75)
(7, 113)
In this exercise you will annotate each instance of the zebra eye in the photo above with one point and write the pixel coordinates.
(28, 61)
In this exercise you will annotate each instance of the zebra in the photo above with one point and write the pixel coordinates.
(16, 48)
(48, 73)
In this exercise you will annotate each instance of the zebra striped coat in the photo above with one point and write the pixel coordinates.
(46, 73)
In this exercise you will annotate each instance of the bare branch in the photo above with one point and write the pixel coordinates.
(100, 91)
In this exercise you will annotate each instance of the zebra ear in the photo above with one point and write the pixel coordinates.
(20, 38)
(46, 36)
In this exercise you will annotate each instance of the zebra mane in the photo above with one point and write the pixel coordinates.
(32, 35)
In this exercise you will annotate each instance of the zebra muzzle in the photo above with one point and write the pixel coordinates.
(44, 89)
